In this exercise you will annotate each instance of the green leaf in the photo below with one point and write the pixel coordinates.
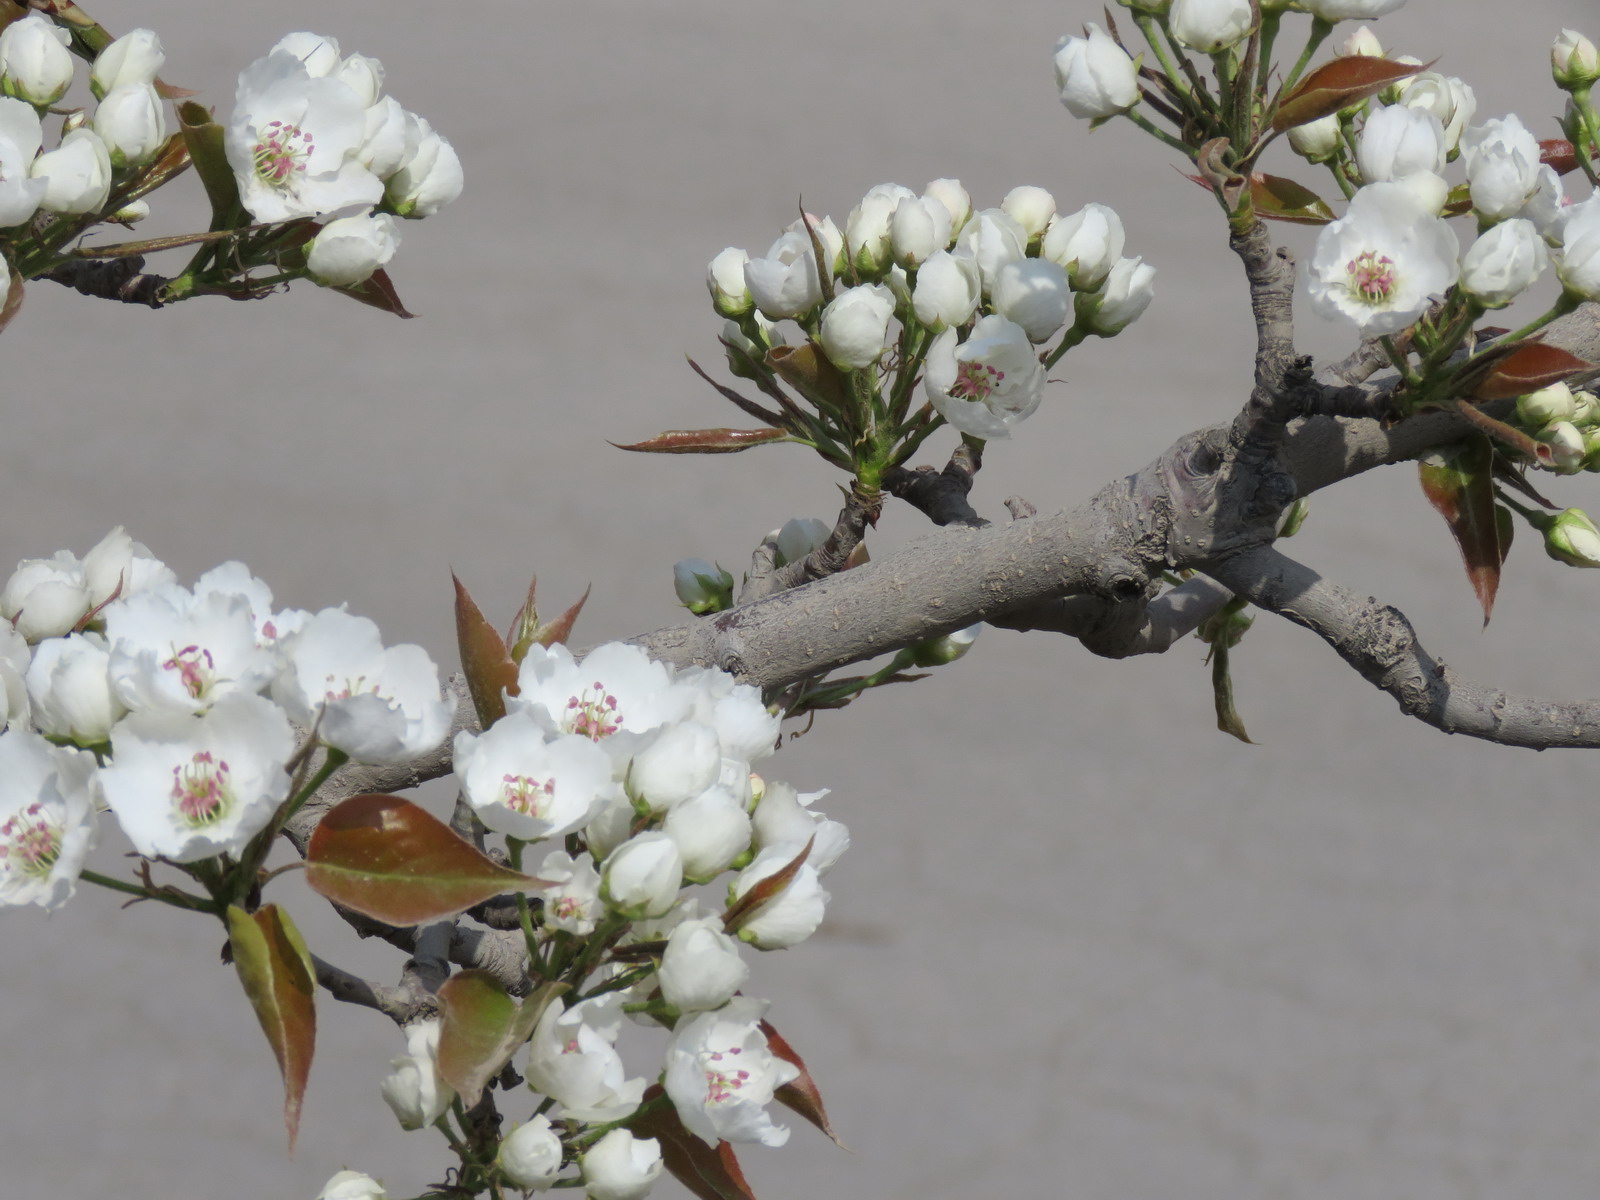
(483, 1027)
(705, 441)
(1279, 199)
(710, 1173)
(1228, 719)
(1342, 83)
(275, 968)
(203, 136)
(800, 1094)
(1459, 483)
(484, 660)
(390, 860)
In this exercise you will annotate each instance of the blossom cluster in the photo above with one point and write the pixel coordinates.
(926, 281)
(177, 708)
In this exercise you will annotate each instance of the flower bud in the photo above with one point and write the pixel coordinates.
(429, 179)
(134, 58)
(352, 1185)
(678, 761)
(792, 915)
(947, 290)
(45, 597)
(642, 876)
(827, 234)
(77, 173)
(1095, 76)
(711, 830)
(702, 587)
(317, 53)
(1571, 537)
(414, 1090)
(866, 233)
(918, 227)
(530, 1155)
(1033, 293)
(785, 282)
(363, 76)
(35, 64)
(1087, 243)
(347, 251)
(69, 686)
(1446, 97)
(939, 651)
(132, 123)
(993, 238)
(1574, 62)
(621, 1167)
(955, 200)
(1547, 406)
(133, 210)
(855, 326)
(730, 294)
(1566, 446)
(1128, 290)
(1363, 43)
(1585, 410)
(1031, 207)
(798, 537)
(700, 968)
(1350, 10)
(1578, 259)
(1319, 140)
(1210, 25)
(1504, 262)
(1397, 141)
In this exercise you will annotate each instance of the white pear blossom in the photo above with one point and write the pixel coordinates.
(118, 567)
(784, 819)
(1034, 294)
(1566, 446)
(1351, 10)
(867, 231)
(621, 1167)
(1127, 292)
(347, 251)
(710, 830)
(674, 762)
(76, 174)
(428, 179)
(730, 294)
(571, 1058)
(414, 1090)
(721, 1075)
(920, 225)
(987, 384)
(530, 1155)
(69, 689)
(793, 914)
(20, 136)
(1031, 207)
(14, 660)
(233, 579)
(1577, 261)
(784, 282)
(855, 326)
(641, 877)
(1504, 262)
(993, 238)
(186, 787)
(614, 696)
(132, 123)
(1446, 97)
(1095, 76)
(700, 968)
(376, 704)
(47, 819)
(316, 52)
(954, 198)
(352, 1185)
(1397, 141)
(35, 64)
(134, 58)
(1547, 405)
(389, 137)
(527, 787)
(173, 652)
(572, 899)
(294, 137)
(827, 233)
(1380, 265)
(1087, 243)
(948, 289)
(1210, 25)
(363, 76)
(745, 729)
(1503, 167)
(612, 826)
(46, 597)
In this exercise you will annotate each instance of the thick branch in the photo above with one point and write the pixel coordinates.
(352, 989)
(1275, 398)
(1123, 631)
(111, 279)
(1379, 642)
(940, 495)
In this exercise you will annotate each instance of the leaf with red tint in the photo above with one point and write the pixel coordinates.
(711, 1174)
(800, 1094)
(1531, 366)
(482, 1028)
(1339, 84)
(559, 630)
(379, 292)
(763, 890)
(275, 968)
(1279, 199)
(706, 441)
(484, 660)
(1459, 483)
(1559, 154)
(394, 862)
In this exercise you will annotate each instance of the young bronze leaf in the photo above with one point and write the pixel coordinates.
(558, 631)
(705, 441)
(807, 370)
(484, 660)
(1529, 367)
(483, 1027)
(378, 291)
(1459, 483)
(1560, 154)
(275, 968)
(711, 1174)
(800, 1094)
(763, 890)
(1280, 199)
(1338, 84)
(395, 862)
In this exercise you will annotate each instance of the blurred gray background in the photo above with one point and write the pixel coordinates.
(1084, 945)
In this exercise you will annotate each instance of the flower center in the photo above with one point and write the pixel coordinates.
(30, 842)
(567, 907)
(1371, 277)
(279, 152)
(200, 790)
(722, 1082)
(976, 381)
(352, 687)
(523, 794)
(594, 714)
(195, 668)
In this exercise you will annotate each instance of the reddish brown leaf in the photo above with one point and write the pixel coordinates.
(483, 1027)
(1560, 154)
(1531, 366)
(379, 292)
(484, 660)
(801, 1094)
(762, 891)
(711, 1174)
(171, 91)
(1507, 435)
(705, 441)
(1338, 84)
(558, 631)
(1280, 199)
(275, 968)
(396, 863)
(1459, 483)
